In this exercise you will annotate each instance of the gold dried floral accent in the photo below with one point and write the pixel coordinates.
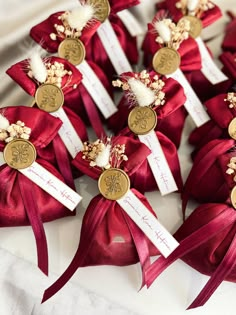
(178, 33)
(104, 154)
(153, 83)
(232, 168)
(231, 98)
(55, 73)
(15, 131)
(202, 6)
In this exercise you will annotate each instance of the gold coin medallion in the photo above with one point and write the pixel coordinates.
(19, 153)
(142, 120)
(73, 50)
(166, 61)
(233, 197)
(232, 129)
(113, 183)
(49, 97)
(102, 9)
(195, 25)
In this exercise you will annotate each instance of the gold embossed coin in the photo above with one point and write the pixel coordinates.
(233, 197)
(49, 97)
(113, 183)
(142, 120)
(166, 61)
(195, 25)
(102, 9)
(19, 153)
(73, 50)
(232, 128)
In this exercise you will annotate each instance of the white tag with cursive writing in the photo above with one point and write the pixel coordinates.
(192, 104)
(2, 161)
(158, 163)
(131, 23)
(209, 68)
(148, 223)
(52, 185)
(68, 134)
(113, 48)
(97, 90)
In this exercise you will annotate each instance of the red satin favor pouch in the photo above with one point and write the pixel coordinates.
(21, 201)
(228, 43)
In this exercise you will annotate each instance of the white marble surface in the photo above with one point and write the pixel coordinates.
(173, 291)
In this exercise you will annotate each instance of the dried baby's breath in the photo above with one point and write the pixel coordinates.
(231, 98)
(202, 6)
(15, 131)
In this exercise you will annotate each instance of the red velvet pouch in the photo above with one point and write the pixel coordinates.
(174, 99)
(228, 43)
(208, 244)
(21, 201)
(108, 235)
(217, 128)
(229, 65)
(80, 100)
(19, 73)
(120, 5)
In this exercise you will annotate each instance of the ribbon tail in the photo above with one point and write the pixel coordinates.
(88, 234)
(221, 272)
(200, 236)
(141, 245)
(31, 208)
(92, 112)
(63, 161)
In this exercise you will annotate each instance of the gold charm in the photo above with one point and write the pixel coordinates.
(195, 25)
(233, 197)
(142, 120)
(73, 50)
(113, 183)
(102, 9)
(232, 129)
(19, 154)
(49, 97)
(166, 61)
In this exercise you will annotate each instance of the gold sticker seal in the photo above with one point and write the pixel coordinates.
(233, 197)
(232, 129)
(166, 61)
(19, 154)
(142, 120)
(49, 97)
(73, 50)
(113, 183)
(195, 25)
(102, 9)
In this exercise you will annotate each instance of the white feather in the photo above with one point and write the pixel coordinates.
(4, 123)
(192, 4)
(37, 67)
(80, 16)
(163, 30)
(144, 95)
(103, 157)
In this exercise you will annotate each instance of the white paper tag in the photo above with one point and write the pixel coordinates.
(148, 223)
(131, 23)
(2, 161)
(52, 185)
(209, 68)
(113, 48)
(97, 90)
(68, 134)
(193, 103)
(158, 163)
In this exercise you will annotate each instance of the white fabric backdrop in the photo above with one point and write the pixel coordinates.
(21, 284)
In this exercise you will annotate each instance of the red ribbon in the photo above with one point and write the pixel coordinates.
(30, 203)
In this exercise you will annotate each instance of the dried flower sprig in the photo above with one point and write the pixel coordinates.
(231, 98)
(9, 132)
(54, 72)
(73, 22)
(194, 7)
(232, 168)
(152, 96)
(170, 34)
(103, 154)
